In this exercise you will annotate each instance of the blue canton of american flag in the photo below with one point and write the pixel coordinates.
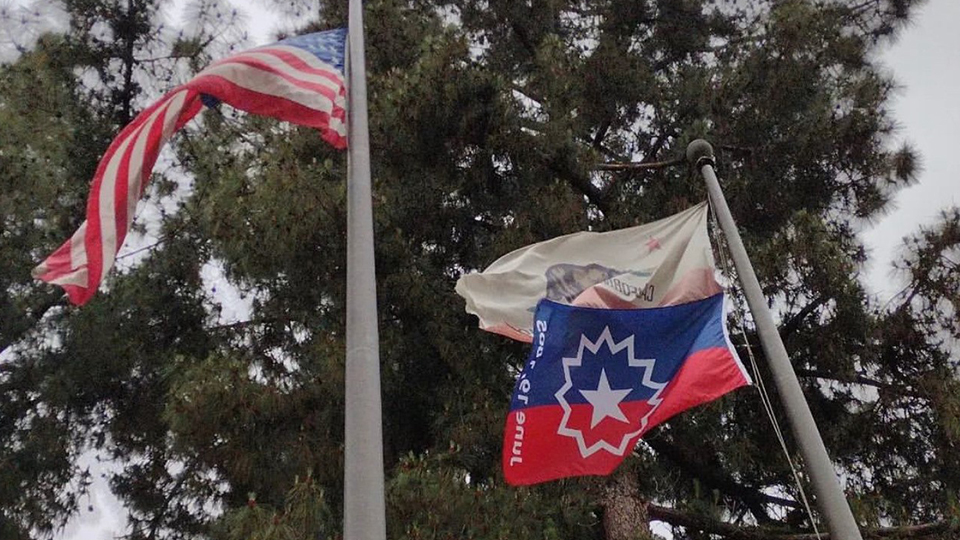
(329, 47)
(300, 80)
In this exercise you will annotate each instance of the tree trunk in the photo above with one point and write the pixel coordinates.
(624, 513)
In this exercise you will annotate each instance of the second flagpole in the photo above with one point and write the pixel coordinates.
(829, 496)
(364, 509)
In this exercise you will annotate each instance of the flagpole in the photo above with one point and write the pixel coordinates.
(832, 502)
(364, 513)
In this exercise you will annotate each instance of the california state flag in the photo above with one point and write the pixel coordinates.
(664, 263)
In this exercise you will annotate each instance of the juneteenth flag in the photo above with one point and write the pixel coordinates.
(299, 80)
(662, 263)
(598, 379)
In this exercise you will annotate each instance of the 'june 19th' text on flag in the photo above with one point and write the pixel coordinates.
(598, 379)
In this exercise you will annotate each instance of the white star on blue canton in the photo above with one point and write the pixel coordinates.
(328, 46)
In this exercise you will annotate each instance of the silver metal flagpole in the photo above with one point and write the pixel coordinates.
(363, 498)
(829, 495)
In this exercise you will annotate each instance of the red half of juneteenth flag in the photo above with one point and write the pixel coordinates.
(299, 80)
(598, 379)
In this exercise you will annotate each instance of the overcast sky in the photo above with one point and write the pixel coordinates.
(925, 61)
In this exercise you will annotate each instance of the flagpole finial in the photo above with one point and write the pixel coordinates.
(700, 152)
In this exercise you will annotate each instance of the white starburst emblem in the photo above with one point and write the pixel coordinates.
(605, 400)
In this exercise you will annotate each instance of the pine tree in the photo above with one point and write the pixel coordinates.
(494, 124)
(61, 103)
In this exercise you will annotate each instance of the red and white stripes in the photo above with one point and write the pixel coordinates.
(284, 82)
(280, 81)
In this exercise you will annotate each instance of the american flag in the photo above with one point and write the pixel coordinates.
(299, 80)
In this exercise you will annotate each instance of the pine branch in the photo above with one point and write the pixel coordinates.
(583, 185)
(149, 247)
(250, 323)
(709, 525)
(733, 148)
(525, 92)
(701, 523)
(638, 165)
(35, 313)
(523, 37)
(129, 42)
(561, 166)
(602, 131)
(793, 324)
(716, 478)
(906, 531)
(655, 148)
(858, 379)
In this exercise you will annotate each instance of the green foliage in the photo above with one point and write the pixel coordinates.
(432, 499)
(44, 170)
(304, 516)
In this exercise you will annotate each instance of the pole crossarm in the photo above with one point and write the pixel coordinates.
(639, 165)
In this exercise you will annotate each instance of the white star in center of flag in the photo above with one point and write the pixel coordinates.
(605, 401)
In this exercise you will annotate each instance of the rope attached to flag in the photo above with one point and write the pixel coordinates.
(729, 272)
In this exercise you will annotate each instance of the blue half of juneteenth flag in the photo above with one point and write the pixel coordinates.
(598, 379)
